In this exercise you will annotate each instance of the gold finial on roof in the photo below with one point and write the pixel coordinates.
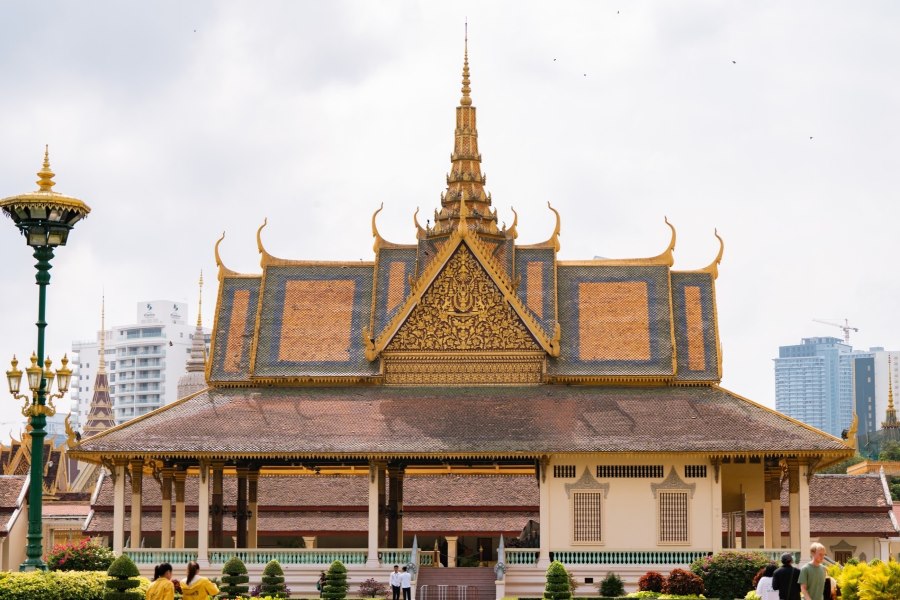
(46, 183)
(891, 413)
(466, 90)
(890, 386)
(200, 302)
(102, 362)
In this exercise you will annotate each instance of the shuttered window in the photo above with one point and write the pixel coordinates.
(673, 518)
(588, 526)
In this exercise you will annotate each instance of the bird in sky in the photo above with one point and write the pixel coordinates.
(734, 62)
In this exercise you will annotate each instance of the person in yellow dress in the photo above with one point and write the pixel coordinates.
(162, 587)
(196, 587)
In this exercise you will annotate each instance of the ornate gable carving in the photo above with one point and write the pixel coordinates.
(463, 310)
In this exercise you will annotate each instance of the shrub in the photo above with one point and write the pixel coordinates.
(683, 583)
(612, 586)
(652, 581)
(335, 582)
(371, 588)
(86, 555)
(881, 581)
(234, 579)
(557, 582)
(752, 595)
(123, 580)
(59, 585)
(573, 583)
(849, 579)
(256, 593)
(273, 580)
(729, 574)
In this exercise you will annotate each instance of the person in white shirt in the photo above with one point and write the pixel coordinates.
(764, 588)
(395, 582)
(406, 584)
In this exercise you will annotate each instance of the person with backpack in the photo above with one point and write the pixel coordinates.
(786, 578)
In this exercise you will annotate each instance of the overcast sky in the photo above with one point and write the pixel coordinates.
(775, 122)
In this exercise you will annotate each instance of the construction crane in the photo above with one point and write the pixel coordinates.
(845, 327)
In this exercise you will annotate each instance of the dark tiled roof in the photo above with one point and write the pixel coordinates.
(832, 523)
(848, 491)
(460, 421)
(10, 489)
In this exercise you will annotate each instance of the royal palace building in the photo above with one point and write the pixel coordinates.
(461, 396)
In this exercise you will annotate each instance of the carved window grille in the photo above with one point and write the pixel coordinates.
(630, 471)
(673, 517)
(588, 512)
(695, 471)
(562, 471)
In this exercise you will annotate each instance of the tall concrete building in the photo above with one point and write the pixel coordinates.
(143, 360)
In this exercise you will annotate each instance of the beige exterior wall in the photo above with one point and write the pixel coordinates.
(15, 542)
(629, 516)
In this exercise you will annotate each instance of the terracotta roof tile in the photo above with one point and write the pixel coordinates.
(10, 489)
(832, 523)
(460, 421)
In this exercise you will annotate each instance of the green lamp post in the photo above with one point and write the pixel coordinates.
(45, 218)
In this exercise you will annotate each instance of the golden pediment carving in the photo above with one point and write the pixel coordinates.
(463, 310)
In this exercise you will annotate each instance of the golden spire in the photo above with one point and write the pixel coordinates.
(466, 90)
(46, 182)
(102, 362)
(200, 302)
(890, 421)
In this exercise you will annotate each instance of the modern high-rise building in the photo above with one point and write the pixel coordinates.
(822, 381)
(143, 361)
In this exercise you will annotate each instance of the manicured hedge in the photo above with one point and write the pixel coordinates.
(58, 585)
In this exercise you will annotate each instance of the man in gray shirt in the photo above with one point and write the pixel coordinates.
(813, 574)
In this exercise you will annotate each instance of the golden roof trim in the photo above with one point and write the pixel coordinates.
(380, 242)
(664, 259)
(713, 267)
(223, 270)
(551, 242)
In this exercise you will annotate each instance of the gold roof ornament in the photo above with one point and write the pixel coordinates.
(890, 421)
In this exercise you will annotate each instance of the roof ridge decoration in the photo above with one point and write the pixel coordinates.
(666, 258)
(380, 242)
(418, 287)
(713, 267)
(223, 270)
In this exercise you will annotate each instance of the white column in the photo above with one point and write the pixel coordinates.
(884, 550)
(375, 476)
(803, 502)
(544, 514)
(203, 516)
(451, 550)
(119, 507)
(716, 504)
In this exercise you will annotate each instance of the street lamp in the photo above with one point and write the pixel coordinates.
(44, 218)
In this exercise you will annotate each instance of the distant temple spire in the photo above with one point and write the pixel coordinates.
(194, 380)
(100, 416)
(890, 422)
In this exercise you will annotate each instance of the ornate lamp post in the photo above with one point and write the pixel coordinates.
(45, 218)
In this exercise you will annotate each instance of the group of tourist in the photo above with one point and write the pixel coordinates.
(401, 581)
(193, 587)
(790, 583)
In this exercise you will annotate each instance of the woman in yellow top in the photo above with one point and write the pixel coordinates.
(162, 587)
(196, 587)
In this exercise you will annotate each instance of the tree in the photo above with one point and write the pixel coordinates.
(122, 580)
(235, 579)
(335, 582)
(273, 580)
(612, 586)
(557, 582)
(890, 451)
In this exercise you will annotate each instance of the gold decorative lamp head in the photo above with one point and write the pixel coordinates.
(63, 375)
(14, 377)
(34, 374)
(48, 375)
(44, 217)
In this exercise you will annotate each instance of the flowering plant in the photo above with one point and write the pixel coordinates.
(86, 555)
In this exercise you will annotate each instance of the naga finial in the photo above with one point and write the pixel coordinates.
(714, 265)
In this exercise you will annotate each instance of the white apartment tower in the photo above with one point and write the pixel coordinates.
(144, 361)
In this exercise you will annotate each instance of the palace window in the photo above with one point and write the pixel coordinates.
(563, 471)
(673, 517)
(630, 471)
(587, 517)
(694, 471)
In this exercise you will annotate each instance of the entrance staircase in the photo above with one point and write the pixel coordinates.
(461, 583)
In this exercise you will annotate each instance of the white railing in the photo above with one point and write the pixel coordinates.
(155, 556)
(521, 556)
(394, 556)
(626, 557)
(774, 554)
(291, 556)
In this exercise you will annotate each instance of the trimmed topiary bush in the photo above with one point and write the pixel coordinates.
(234, 579)
(59, 585)
(272, 580)
(335, 582)
(123, 583)
(652, 581)
(729, 574)
(557, 587)
(683, 583)
(86, 555)
(612, 586)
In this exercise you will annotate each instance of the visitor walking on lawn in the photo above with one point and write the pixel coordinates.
(813, 574)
